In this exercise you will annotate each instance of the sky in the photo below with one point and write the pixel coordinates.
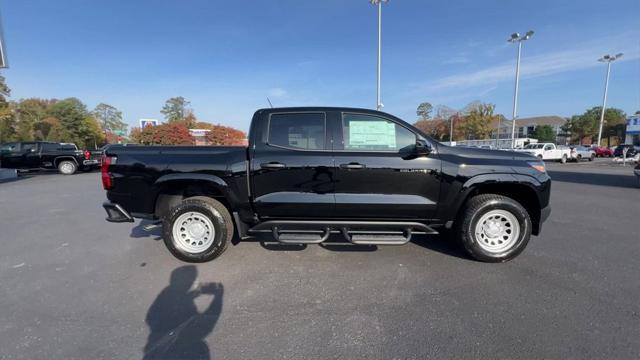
(227, 57)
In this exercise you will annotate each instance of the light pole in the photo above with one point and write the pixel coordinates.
(608, 59)
(515, 37)
(378, 3)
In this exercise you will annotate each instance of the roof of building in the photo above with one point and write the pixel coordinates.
(540, 120)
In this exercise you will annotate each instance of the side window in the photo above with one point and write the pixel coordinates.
(50, 147)
(8, 148)
(305, 131)
(372, 133)
(548, 147)
(28, 147)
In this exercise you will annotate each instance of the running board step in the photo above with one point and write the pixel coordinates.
(356, 232)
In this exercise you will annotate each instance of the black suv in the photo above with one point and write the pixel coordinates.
(631, 152)
(31, 155)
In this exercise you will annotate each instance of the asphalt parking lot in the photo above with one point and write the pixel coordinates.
(76, 287)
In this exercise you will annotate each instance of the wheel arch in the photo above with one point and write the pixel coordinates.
(521, 188)
(58, 159)
(171, 189)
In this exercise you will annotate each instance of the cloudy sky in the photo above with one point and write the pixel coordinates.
(226, 57)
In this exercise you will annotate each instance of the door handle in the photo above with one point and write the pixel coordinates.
(273, 165)
(352, 165)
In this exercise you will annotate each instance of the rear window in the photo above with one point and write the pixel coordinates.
(304, 131)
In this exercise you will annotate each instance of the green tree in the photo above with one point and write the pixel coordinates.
(544, 133)
(587, 124)
(176, 108)
(73, 114)
(28, 113)
(424, 110)
(109, 118)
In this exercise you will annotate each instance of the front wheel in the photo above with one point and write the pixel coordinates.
(592, 157)
(494, 228)
(198, 229)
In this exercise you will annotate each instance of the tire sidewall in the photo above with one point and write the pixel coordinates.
(471, 243)
(217, 219)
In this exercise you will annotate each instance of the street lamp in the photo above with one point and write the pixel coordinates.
(608, 59)
(515, 37)
(378, 3)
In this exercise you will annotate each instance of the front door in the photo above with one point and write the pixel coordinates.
(292, 169)
(377, 175)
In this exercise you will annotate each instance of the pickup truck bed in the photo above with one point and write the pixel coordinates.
(312, 172)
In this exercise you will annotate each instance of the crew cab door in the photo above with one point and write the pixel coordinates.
(550, 152)
(378, 174)
(292, 168)
(31, 155)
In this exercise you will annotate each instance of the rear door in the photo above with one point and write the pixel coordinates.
(376, 174)
(292, 169)
(31, 154)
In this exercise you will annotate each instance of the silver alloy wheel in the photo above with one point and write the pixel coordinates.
(497, 231)
(66, 167)
(193, 232)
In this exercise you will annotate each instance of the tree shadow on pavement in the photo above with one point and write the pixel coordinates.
(177, 329)
(617, 180)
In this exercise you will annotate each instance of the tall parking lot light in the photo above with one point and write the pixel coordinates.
(378, 3)
(608, 59)
(515, 37)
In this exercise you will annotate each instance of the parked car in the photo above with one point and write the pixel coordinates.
(602, 151)
(631, 150)
(32, 155)
(547, 151)
(580, 152)
(312, 172)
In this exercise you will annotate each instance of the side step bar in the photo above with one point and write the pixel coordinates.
(355, 232)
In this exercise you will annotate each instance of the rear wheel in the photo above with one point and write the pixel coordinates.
(494, 228)
(578, 158)
(67, 167)
(592, 157)
(198, 229)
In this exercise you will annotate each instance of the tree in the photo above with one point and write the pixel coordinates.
(29, 112)
(225, 135)
(587, 125)
(175, 109)
(436, 128)
(109, 118)
(7, 120)
(477, 123)
(544, 133)
(424, 110)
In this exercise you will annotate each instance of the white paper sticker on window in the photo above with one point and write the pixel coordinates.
(364, 134)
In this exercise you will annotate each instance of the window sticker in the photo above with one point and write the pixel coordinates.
(363, 134)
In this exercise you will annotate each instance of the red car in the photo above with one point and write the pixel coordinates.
(602, 151)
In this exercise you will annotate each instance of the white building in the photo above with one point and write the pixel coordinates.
(633, 130)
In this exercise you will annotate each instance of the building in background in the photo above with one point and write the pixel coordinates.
(633, 130)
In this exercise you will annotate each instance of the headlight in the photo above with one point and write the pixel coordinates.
(538, 165)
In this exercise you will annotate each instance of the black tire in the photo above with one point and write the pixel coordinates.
(540, 157)
(474, 210)
(67, 167)
(215, 212)
(578, 158)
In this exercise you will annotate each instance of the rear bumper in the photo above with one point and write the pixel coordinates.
(115, 213)
(90, 162)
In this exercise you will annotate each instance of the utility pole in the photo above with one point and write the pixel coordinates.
(608, 59)
(378, 3)
(515, 37)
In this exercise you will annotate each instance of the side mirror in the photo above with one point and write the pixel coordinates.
(423, 148)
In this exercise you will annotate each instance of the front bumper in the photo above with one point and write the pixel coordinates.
(544, 215)
(115, 213)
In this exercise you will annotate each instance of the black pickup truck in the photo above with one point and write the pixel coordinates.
(315, 171)
(32, 155)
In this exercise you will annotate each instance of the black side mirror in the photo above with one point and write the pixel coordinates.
(423, 148)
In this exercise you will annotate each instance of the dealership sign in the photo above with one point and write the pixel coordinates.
(633, 125)
(198, 132)
(148, 122)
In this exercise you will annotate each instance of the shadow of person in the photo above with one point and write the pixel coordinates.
(177, 328)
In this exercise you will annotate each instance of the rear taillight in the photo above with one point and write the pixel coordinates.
(107, 181)
(87, 155)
